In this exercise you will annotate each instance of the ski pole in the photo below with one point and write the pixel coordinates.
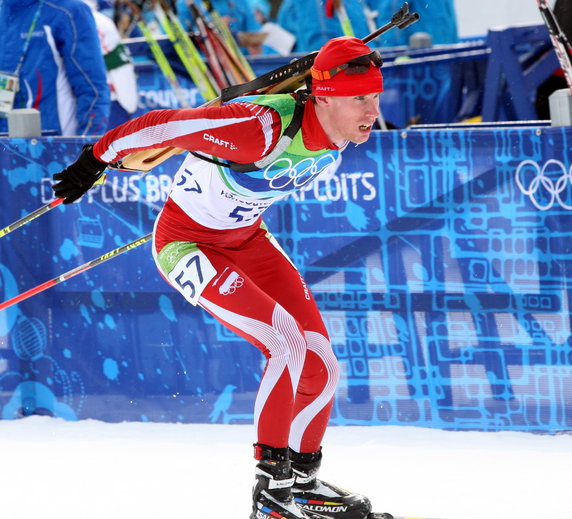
(39, 212)
(31, 216)
(74, 272)
(559, 40)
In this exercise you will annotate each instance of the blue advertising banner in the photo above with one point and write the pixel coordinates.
(440, 260)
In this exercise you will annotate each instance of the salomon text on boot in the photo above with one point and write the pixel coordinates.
(272, 493)
(322, 500)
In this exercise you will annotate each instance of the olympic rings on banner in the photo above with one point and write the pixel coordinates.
(553, 188)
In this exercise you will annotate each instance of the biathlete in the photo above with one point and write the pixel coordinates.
(210, 243)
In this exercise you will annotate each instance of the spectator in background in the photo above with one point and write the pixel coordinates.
(314, 22)
(54, 50)
(238, 16)
(438, 18)
(261, 10)
(105, 7)
(278, 40)
(120, 70)
(127, 21)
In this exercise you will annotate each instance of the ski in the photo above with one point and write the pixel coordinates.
(374, 515)
(158, 54)
(559, 40)
(408, 517)
(221, 26)
(186, 50)
(343, 18)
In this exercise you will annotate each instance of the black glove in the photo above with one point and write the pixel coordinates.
(78, 177)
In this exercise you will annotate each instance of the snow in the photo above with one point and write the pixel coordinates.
(90, 469)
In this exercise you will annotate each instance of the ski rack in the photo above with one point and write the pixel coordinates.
(511, 75)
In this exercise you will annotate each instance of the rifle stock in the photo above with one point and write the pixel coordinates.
(146, 160)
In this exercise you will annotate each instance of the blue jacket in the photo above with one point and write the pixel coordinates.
(437, 17)
(63, 74)
(308, 21)
(241, 16)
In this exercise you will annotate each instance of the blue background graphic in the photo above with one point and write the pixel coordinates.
(443, 285)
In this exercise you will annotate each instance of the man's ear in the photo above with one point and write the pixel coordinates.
(322, 100)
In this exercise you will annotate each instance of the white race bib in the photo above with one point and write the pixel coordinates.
(191, 275)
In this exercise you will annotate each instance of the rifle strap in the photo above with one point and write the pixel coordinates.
(283, 142)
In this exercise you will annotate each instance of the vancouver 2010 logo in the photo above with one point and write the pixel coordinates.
(547, 184)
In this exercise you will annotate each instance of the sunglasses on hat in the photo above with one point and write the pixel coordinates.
(359, 65)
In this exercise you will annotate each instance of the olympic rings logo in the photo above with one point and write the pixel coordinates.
(298, 174)
(231, 289)
(542, 183)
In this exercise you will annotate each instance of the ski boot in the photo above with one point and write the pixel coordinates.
(319, 499)
(272, 492)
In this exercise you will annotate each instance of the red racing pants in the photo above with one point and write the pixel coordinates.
(249, 285)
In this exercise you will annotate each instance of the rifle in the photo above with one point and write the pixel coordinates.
(287, 78)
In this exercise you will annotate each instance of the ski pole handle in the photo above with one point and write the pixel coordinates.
(74, 272)
(29, 217)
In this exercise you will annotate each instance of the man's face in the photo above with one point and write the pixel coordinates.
(349, 118)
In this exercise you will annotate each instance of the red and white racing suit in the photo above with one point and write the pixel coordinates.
(211, 245)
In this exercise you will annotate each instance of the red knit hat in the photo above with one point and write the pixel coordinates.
(331, 76)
